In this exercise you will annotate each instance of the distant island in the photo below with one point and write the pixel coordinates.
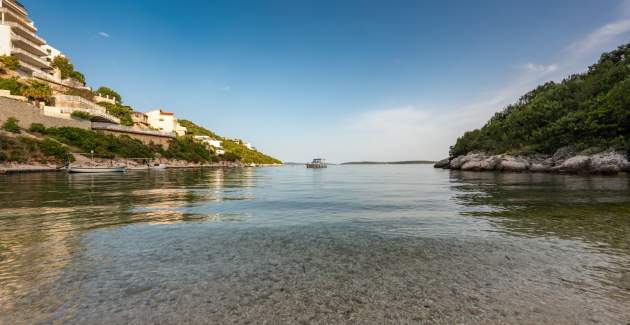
(580, 125)
(410, 162)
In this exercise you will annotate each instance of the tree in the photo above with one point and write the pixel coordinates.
(106, 91)
(37, 91)
(67, 69)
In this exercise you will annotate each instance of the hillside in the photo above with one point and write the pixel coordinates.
(232, 148)
(587, 110)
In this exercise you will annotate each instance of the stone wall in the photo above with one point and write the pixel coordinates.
(28, 114)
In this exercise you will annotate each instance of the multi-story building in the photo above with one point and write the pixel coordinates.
(18, 37)
(164, 121)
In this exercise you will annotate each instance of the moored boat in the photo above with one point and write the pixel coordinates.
(317, 163)
(96, 170)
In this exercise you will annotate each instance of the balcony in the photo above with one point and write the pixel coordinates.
(70, 83)
(16, 6)
(29, 58)
(97, 116)
(22, 31)
(26, 44)
(10, 15)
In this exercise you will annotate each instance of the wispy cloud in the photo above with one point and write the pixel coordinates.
(541, 67)
(604, 36)
(225, 89)
(416, 132)
(104, 34)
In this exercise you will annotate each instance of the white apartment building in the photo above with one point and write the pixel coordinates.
(209, 141)
(164, 121)
(18, 38)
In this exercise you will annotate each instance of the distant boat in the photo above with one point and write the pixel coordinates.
(96, 170)
(159, 166)
(317, 163)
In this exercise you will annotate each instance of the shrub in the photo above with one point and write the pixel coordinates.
(11, 125)
(120, 111)
(10, 62)
(81, 115)
(38, 128)
(53, 148)
(85, 93)
(3, 156)
(38, 91)
(12, 85)
(109, 92)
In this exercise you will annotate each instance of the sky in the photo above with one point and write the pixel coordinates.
(348, 80)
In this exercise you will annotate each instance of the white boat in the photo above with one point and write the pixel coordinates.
(317, 163)
(159, 166)
(95, 170)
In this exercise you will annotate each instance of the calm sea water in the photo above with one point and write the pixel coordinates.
(349, 244)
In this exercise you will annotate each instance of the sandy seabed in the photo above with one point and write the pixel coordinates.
(199, 273)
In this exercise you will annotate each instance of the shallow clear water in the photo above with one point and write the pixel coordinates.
(349, 244)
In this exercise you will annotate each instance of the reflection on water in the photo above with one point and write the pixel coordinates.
(70, 243)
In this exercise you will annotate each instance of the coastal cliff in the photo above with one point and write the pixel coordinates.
(580, 125)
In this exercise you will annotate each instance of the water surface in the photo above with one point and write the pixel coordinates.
(349, 244)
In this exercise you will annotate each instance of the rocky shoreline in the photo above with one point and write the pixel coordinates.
(36, 167)
(565, 160)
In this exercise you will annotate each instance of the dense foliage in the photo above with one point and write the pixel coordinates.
(10, 62)
(184, 148)
(107, 146)
(13, 85)
(120, 111)
(67, 69)
(105, 91)
(233, 150)
(591, 109)
(22, 149)
(38, 91)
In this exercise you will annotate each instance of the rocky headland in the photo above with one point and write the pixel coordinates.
(566, 160)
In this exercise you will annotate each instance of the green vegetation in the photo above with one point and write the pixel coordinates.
(233, 150)
(109, 92)
(10, 62)
(107, 146)
(120, 111)
(13, 85)
(11, 125)
(37, 91)
(585, 110)
(85, 93)
(22, 149)
(67, 69)
(81, 115)
(184, 148)
(37, 128)
(194, 129)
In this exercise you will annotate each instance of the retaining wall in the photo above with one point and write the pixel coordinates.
(28, 114)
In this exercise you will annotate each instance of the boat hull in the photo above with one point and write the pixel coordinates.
(316, 166)
(79, 170)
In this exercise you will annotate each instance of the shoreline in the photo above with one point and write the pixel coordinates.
(564, 161)
(13, 168)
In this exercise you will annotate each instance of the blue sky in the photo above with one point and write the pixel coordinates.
(346, 80)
